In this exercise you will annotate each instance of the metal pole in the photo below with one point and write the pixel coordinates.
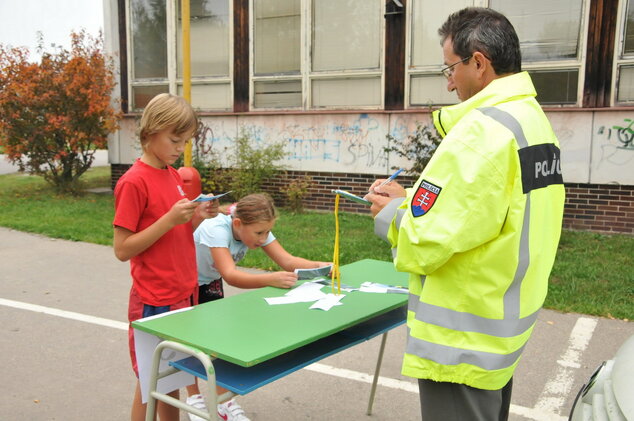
(187, 74)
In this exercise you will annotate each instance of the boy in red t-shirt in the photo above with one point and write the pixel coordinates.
(154, 224)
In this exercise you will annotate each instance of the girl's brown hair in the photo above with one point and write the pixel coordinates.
(254, 208)
(167, 111)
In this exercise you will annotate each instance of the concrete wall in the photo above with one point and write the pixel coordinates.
(597, 146)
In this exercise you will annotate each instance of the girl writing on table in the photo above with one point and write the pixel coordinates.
(154, 224)
(222, 242)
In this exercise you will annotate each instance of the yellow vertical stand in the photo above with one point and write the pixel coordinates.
(336, 276)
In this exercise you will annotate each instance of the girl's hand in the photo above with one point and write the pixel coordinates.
(283, 279)
(181, 212)
(316, 265)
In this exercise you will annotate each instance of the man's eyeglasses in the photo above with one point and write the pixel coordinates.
(448, 71)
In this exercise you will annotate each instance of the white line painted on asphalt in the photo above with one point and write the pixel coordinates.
(557, 389)
(536, 414)
(362, 377)
(65, 314)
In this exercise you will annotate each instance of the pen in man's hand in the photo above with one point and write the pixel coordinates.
(390, 178)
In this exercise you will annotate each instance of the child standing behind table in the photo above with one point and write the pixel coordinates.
(154, 224)
(222, 242)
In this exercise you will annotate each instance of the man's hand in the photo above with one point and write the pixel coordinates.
(381, 194)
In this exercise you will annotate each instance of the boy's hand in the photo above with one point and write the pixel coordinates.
(283, 279)
(182, 211)
(208, 209)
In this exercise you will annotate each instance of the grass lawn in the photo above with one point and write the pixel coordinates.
(593, 274)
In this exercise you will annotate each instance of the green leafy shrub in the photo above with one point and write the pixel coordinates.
(251, 165)
(296, 191)
(417, 148)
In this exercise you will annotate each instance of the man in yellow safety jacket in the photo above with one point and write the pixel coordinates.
(479, 230)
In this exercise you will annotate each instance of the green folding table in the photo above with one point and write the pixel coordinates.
(252, 343)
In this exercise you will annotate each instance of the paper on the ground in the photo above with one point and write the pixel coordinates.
(327, 302)
(306, 292)
(313, 273)
(204, 198)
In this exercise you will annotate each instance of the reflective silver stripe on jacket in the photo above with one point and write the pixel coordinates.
(511, 325)
(447, 355)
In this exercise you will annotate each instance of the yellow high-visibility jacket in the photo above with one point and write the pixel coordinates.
(478, 233)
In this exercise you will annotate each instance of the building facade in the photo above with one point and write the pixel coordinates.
(330, 79)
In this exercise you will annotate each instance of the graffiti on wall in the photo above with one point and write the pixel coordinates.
(614, 151)
(597, 147)
(623, 134)
(339, 143)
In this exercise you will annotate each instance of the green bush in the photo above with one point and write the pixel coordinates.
(251, 165)
(417, 148)
(296, 191)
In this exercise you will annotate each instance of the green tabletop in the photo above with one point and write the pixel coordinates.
(245, 330)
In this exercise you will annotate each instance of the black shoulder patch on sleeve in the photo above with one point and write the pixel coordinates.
(541, 166)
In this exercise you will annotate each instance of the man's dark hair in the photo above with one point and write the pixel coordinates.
(487, 31)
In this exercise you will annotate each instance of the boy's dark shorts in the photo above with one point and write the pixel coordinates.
(138, 310)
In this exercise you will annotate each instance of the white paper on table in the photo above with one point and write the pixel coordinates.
(307, 289)
(328, 302)
(305, 293)
(372, 288)
(145, 344)
(284, 299)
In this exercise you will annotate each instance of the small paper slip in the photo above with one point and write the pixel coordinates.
(203, 198)
(382, 289)
(284, 299)
(351, 196)
(313, 273)
(327, 302)
(307, 290)
(305, 293)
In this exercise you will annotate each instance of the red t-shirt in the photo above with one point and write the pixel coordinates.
(165, 273)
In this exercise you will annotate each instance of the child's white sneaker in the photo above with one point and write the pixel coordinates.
(231, 411)
(198, 402)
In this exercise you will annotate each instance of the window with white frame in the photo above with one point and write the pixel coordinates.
(317, 54)
(148, 51)
(624, 56)
(156, 51)
(552, 36)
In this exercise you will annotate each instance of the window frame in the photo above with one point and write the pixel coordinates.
(620, 59)
(173, 82)
(306, 75)
(578, 64)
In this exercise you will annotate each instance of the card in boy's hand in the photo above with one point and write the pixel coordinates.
(351, 196)
(204, 198)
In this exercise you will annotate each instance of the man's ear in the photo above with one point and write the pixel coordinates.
(482, 64)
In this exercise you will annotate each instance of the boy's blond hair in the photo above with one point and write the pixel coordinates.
(166, 111)
(254, 208)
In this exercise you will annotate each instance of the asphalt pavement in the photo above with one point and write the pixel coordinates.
(65, 355)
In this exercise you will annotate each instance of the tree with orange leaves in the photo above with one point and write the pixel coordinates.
(55, 114)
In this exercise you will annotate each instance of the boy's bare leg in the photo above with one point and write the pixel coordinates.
(166, 412)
